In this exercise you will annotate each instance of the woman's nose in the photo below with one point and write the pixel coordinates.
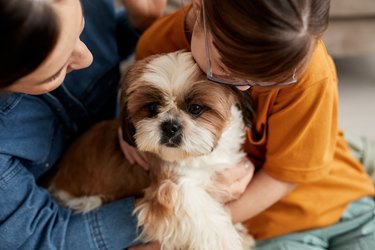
(80, 58)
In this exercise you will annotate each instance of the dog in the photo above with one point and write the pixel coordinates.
(190, 128)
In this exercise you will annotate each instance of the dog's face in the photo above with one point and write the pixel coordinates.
(172, 110)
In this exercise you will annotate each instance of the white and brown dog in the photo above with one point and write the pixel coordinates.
(190, 128)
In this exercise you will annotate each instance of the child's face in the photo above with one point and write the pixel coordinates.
(69, 53)
(198, 47)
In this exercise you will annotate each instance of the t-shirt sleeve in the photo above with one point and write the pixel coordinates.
(168, 34)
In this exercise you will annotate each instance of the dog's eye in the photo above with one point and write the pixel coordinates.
(152, 108)
(195, 109)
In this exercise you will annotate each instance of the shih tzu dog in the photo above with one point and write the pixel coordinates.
(190, 129)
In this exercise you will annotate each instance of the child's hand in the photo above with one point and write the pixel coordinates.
(133, 155)
(235, 180)
(143, 12)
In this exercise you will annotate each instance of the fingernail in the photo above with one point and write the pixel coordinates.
(247, 165)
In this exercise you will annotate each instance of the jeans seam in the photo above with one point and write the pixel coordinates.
(95, 231)
(8, 176)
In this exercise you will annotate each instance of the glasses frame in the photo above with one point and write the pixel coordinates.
(227, 80)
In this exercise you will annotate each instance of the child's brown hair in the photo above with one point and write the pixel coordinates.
(266, 40)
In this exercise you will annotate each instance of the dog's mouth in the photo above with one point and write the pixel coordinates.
(171, 145)
(173, 142)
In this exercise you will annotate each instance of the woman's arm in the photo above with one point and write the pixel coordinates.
(262, 192)
(31, 218)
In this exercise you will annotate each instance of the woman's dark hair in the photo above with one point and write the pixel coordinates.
(266, 39)
(29, 31)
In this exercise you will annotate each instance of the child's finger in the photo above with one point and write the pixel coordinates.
(231, 175)
(238, 187)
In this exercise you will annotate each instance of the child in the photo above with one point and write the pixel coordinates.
(309, 192)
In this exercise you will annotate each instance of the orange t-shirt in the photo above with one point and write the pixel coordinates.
(295, 138)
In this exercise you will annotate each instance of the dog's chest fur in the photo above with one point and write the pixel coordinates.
(182, 208)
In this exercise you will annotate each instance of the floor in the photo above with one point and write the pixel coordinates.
(357, 94)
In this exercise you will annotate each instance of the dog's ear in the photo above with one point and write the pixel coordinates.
(130, 77)
(245, 103)
(128, 129)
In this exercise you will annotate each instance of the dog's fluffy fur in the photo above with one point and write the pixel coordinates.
(190, 128)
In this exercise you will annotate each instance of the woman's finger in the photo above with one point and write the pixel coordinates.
(132, 154)
(141, 160)
(128, 156)
(124, 147)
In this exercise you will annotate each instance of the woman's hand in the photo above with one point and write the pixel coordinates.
(233, 180)
(133, 155)
(143, 12)
(148, 246)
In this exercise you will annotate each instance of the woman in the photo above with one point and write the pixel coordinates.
(42, 109)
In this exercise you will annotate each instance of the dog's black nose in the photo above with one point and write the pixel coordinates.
(170, 128)
(171, 133)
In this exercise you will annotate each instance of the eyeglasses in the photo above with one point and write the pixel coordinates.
(227, 79)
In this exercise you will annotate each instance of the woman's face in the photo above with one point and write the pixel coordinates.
(69, 53)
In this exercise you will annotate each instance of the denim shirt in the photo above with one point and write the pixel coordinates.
(35, 131)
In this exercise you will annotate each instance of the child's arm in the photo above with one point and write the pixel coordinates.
(262, 192)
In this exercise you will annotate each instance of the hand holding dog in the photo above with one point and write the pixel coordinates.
(133, 155)
(235, 180)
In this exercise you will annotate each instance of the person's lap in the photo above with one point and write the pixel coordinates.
(356, 229)
(363, 149)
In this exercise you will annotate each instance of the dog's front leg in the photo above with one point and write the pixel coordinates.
(180, 214)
